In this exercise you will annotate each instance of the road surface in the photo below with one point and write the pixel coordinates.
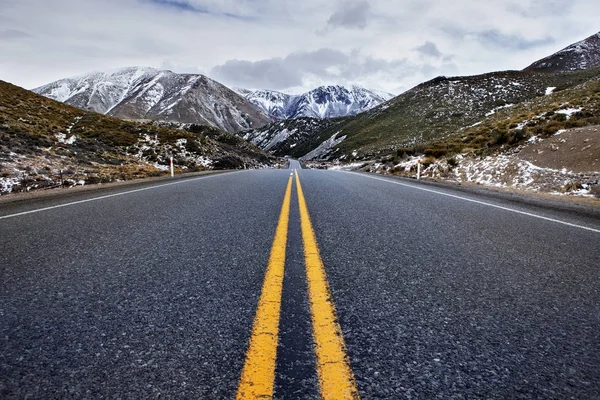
(368, 286)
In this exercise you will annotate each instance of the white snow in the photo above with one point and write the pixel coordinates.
(346, 167)
(322, 102)
(550, 90)
(569, 111)
(62, 138)
(279, 137)
(324, 148)
(492, 112)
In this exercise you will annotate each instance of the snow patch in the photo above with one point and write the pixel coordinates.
(569, 111)
(324, 148)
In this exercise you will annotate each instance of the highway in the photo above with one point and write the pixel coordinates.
(297, 284)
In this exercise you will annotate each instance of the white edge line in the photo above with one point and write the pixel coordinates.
(114, 195)
(477, 201)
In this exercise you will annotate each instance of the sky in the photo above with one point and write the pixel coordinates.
(287, 45)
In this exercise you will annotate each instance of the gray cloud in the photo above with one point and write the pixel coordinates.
(279, 73)
(273, 43)
(350, 15)
(326, 66)
(498, 39)
(9, 34)
(273, 73)
(429, 49)
(537, 8)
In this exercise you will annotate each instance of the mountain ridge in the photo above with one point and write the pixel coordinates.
(329, 101)
(147, 93)
(578, 56)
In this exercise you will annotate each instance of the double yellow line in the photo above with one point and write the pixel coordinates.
(336, 380)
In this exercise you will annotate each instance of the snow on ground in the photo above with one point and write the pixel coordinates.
(569, 111)
(62, 138)
(324, 148)
(204, 161)
(346, 167)
(550, 90)
(509, 171)
(7, 184)
(280, 137)
(492, 112)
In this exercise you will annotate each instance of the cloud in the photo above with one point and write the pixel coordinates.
(280, 73)
(328, 66)
(9, 34)
(429, 49)
(516, 42)
(352, 15)
(179, 5)
(238, 9)
(537, 8)
(276, 43)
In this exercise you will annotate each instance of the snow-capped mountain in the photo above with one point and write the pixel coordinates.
(322, 102)
(147, 93)
(582, 55)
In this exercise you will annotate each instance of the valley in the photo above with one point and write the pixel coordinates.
(479, 129)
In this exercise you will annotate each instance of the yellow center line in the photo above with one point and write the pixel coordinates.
(336, 379)
(258, 374)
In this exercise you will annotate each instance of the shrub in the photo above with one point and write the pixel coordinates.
(559, 117)
(435, 152)
(552, 127)
(427, 161)
(500, 137)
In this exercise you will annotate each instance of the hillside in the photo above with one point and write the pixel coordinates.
(322, 102)
(548, 144)
(434, 110)
(40, 137)
(145, 93)
(293, 137)
(584, 54)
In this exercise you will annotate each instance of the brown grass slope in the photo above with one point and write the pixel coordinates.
(40, 137)
(439, 108)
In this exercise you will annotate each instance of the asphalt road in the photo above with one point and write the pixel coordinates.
(152, 292)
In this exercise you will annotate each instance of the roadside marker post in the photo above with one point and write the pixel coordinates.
(419, 169)
(172, 169)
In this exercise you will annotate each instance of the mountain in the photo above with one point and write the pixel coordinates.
(293, 137)
(146, 93)
(430, 111)
(44, 143)
(322, 102)
(578, 56)
(547, 144)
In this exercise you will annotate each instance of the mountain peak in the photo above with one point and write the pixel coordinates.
(581, 55)
(328, 101)
(149, 93)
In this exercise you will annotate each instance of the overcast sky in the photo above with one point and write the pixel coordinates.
(291, 45)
